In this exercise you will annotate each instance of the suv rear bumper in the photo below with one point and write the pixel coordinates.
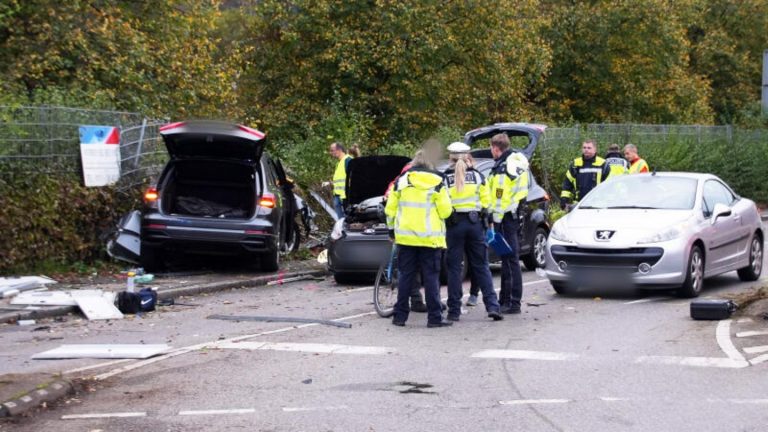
(207, 240)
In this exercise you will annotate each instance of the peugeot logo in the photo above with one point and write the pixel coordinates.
(604, 235)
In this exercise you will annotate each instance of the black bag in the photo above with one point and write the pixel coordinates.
(133, 303)
(148, 298)
(128, 302)
(712, 309)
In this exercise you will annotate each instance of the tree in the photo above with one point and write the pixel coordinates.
(624, 61)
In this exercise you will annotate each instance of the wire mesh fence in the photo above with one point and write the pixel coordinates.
(45, 139)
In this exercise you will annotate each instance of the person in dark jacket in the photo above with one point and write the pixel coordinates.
(584, 173)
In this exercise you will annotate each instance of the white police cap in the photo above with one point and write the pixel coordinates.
(458, 147)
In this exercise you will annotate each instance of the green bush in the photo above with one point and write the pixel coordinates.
(48, 220)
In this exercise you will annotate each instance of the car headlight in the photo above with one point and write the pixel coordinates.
(669, 233)
(338, 230)
(558, 233)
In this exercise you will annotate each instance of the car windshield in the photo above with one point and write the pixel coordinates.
(643, 192)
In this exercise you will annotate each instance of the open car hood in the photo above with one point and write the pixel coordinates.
(533, 131)
(369, 176)
(215, 140)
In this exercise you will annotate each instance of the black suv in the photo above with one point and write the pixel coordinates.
(219, 194)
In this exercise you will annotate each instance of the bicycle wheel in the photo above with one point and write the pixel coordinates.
(385, 288)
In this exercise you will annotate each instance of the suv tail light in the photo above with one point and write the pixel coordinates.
(151, 195)
(267, 200)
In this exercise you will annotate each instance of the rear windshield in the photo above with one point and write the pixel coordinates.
(647, 192)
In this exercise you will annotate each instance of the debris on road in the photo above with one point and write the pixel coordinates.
(10, 286)
(281, 281)
(280, 319)
(25, 322)
(95, 304)
(104, 351)
(712, 309)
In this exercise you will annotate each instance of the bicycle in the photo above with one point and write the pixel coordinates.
(385, 287)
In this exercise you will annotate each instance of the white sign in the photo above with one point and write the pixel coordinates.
(100, 153)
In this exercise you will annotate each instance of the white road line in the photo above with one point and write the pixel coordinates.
(218, 412)
(536, 282)
(744, 320)
(756, 349)
(306, 347)
(306, 409)
(613, 399)
(759, 359)
(644, 300)
(740, 401)
(524, 355)
(533, 401)
(102, 415)
(97, 366)
(719, 362)
(751, 333)
(723, 336)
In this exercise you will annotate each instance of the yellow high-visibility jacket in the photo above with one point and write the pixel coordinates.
(417, 207)
(340, 177)
(474, 196)
(505, 190)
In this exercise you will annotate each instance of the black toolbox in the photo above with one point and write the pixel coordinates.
(712, 309)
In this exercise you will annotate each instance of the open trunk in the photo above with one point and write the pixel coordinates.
(212, 189)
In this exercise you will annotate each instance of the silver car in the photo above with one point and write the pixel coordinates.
(656, 230)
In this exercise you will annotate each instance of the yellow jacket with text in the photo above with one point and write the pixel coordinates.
(474, 195)
(506, 189)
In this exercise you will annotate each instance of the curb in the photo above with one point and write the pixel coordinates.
(33, 399)
(173, 292)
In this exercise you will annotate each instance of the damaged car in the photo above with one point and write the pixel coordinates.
(359, 242)
(219, 194)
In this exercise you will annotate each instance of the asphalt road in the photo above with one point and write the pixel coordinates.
(594, 361)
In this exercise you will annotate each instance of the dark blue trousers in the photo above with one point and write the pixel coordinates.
(465, 236)
(411, 260)
(511, 275)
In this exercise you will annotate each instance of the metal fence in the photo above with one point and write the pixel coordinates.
(46, 139)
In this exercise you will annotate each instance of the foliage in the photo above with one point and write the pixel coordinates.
(160, 58)
(47, 220)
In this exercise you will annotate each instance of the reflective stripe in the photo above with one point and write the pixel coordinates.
(566, 194)
(427, 234)
(468, 200)
(591, 170)
(428, 225)
(414, 204)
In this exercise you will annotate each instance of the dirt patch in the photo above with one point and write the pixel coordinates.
(753, 302)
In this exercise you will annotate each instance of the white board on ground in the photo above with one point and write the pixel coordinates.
(103, 351)
(98, 308)
(24, 283)
(58, 298)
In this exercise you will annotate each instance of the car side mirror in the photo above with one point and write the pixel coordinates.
(721, 210)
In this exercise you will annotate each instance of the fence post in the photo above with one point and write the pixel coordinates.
(138, 146)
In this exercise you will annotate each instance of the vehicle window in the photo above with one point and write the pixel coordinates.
(647, 192)
(716, 193)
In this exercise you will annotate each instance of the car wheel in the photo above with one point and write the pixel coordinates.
(293, 241)
(752, 272)
(151, 258)
(270, 261)
(536, 257)
(560, 287)
(694, 278)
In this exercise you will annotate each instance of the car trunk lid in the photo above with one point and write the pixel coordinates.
(369, 176)
(213, 140)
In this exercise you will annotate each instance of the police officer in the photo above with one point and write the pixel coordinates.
(508, 185)
(469, 198)
(616, 162)
(583, 174)
(338, 151)
(416, 209)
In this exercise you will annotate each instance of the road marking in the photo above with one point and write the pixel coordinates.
(97, 366)
(644, 300)
(524, 355)
(306, 409)
(756, 349)
(358, 289)
(741, 401)
(533, 401)
(759, 359)
(751, 333)
(102, 415)
(723, 336)
(218, 412)
(744, 320)
(613, 399)
(306, 347)
(719, 362)
(536, 282)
